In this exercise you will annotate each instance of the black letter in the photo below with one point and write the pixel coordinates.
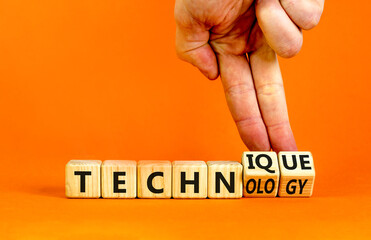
(258, 188)
(251, 165)
(303, 162)
(266, 168)
(219, 176)
(288, 187)
(266, 185)
(247, 186)
(294, 163)
(183, 182)
(82, 178)
(116, 182)
(150, 179)
(302, 186)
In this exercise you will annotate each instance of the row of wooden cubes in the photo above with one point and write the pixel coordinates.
(261, 174)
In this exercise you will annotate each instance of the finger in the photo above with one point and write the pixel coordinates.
(281, 33)
(271, 97)
(241, 99)
(192, 43)
(305, 13)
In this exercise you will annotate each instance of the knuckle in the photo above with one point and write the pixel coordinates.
(248, 121)
(311, 18)
(306, 14)
(283, 125)
(239, 89)
(291, 48)
(289, 5)
(183, 55)
(270, 89)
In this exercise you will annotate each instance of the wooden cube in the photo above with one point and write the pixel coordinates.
(260, 174)
(224, 179)
(189, 179)
(83, 179)
(154, 179)
(297, 174)
(119, 179)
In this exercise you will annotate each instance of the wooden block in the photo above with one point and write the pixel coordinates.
(224, 179)
(189, 179)
(297, 174)
(83, 179)
(154, 179)
(260, 174)
(119, 179)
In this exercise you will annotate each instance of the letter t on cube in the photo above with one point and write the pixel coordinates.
(83, 179)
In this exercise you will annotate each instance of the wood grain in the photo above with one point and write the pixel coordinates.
(92, 178)
(228, 170)
(161, 173)
(189, 169)
(124, 172)
(260, 174)
(297, 174)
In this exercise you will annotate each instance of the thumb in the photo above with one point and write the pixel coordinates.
(192, 45)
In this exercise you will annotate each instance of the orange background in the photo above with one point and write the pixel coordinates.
(100, 80)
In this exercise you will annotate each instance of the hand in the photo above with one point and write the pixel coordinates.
(239, 39)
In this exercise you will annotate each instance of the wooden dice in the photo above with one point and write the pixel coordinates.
(297, 174)
(154, 179)
(83, 179)
(189, 179)
(119, 179)
(224, 179)
(260, 174)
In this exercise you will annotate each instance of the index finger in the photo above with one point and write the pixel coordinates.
(241, 98)
(271, 97)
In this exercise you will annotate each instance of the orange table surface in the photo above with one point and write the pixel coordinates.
(100, 80)
(339, 209)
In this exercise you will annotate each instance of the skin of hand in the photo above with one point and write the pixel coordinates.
(238, 40)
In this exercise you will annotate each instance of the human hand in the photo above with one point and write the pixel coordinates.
(238, 40)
